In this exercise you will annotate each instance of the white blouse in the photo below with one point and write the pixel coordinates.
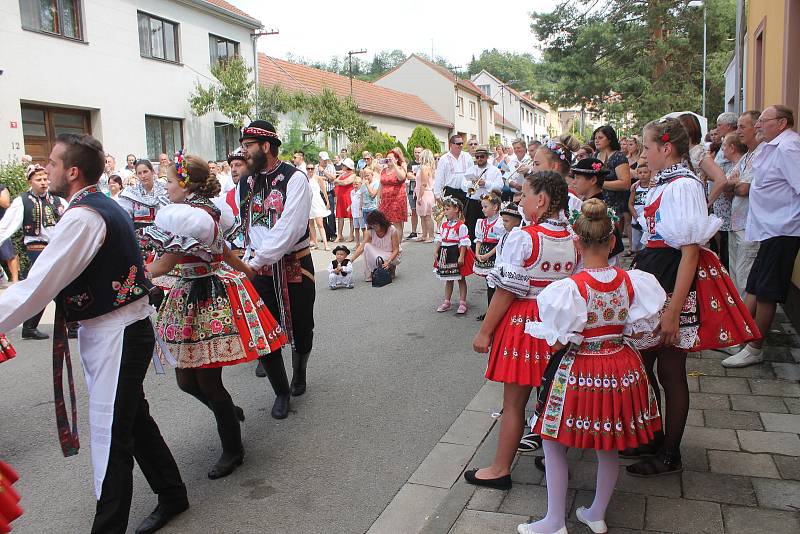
(563, 311)
(496, 230)
(189, 230)
(448, 236)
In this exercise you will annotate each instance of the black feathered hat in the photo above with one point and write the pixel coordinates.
(262, 131)
(342, 248)
(590, 167)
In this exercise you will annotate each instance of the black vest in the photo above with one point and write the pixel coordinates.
(263, 197)
(33, 220)
(115, 277)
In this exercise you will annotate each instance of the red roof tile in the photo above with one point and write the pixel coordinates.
(230, 7)
(370, 98)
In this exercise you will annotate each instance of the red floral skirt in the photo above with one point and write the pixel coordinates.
(6, 349)
(517, 357)
(9, 498)
(602, 402)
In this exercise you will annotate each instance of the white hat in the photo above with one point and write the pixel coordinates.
(324, 155)
(347, 162)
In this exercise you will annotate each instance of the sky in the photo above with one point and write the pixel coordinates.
(315, 30)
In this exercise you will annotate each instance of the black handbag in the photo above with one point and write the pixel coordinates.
(380, 275)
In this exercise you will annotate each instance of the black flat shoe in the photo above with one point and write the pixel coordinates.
(159, 518)
(480, 317)
(226, 465)
(501, 483)
(33, 333)
(280, 410)
(260, 371)
(539, 463)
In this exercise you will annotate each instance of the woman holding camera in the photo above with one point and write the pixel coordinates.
(394, 203)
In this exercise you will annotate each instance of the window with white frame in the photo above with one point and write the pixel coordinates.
(222, 48)
(472, 112)
(57, 17)
(164, 135)
(460, 105)
(158, 38)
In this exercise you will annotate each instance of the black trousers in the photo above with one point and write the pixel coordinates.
(330, 221)
(301, 302)
(472, 212)
(135, 435)
(33, 322)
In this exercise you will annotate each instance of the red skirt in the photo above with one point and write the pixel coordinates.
(517, 357)
(343, 201)
(6, 349)
(604, 402)
(9, 498)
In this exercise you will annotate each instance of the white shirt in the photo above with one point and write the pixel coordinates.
(268, 246)
(13, 219)
(491, 176)
(740, 205)
(775, 190)
(515, 163)
(450, 172)
(226, 182)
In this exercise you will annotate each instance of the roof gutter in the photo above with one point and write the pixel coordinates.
(214, 9)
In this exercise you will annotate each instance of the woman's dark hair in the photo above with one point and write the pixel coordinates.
(611, 134)
(117, 180)
(377, 218)
(201, 181)
(692, 126)
(84, 152)
(554, 185)
(600, 176)
(145, 162)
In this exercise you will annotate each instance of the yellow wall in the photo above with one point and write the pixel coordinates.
(774, 11)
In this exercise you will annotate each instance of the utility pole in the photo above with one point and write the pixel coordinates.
(738, 59)
(254, 36)
(350, 60)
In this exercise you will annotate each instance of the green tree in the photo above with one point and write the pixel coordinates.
(236, 95)
(327, 113)
(293, 142)
(518, 70)
(423, 136)
(376, 141)
(12, 175)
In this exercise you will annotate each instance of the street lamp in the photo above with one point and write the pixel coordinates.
(350, 61)
(698, 3)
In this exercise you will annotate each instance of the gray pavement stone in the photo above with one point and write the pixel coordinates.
(754, 371)
(728, 385)
(469, 428)
(731, 419)
(707, 367)
(749, 520)
(449, 509)
(711, 438)
(774, 442)
(788, 466)
(779, 494)
(695, 418)
(666, 486)
(486, 499)
(683, 516)
(795, 355)
(489, 398)
(709, 401)
(443, 465)
(781, 422)
(477, 522)
(718, 488)
(528, 500)
(775, 388)
(525, 472)
(694, 458)
(787, 371)
(752, 403)
(693, 383)
(792, 404)
(408, 510)
(625, 510)
(742, 463)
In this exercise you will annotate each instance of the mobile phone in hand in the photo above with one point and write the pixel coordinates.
(383, 161)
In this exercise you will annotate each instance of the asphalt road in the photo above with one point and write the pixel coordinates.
(387, 377)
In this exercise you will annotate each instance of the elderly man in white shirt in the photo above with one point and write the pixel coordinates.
(451, 170)
(519, 165)
(479, 180)
(774, 221)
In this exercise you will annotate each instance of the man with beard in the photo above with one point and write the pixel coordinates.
(274, 203)
(93, 268)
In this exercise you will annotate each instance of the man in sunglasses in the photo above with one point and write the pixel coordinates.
(451, 171)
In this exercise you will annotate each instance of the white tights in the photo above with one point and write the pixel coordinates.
(557, 477)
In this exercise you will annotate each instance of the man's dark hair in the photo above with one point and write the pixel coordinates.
(454, 137)
(84, 152)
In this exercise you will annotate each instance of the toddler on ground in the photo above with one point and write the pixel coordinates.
(340, 270)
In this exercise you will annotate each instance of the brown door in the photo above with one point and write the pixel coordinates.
(41, 125)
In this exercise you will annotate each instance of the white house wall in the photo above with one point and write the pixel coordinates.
(106, 73)
(419, 79)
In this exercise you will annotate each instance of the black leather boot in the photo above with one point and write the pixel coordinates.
(230, 435)
(299, 365)
(260, 371)
(276, 373)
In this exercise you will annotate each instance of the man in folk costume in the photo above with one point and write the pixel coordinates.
(238, 163)
(36, 211)
(92, 266)
(274, 203)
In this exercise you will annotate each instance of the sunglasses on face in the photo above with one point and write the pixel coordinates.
(473, 144)
(459, 144)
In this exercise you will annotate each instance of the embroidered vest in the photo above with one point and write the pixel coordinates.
(40, 212)
(449, 233)
(607, 306)
(115, 277)
(554, 256)
(487, 227)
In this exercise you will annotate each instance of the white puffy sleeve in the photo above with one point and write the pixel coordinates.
(479, 231)
(509, 272)
(463, 236)
(648, 300)
(683, 217)
(562, 312)
(181, 229)
(573, 204)
(226, 219)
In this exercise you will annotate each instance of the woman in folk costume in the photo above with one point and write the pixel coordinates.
(531, 258)
(703, 309)
(212, 317)
(599, 397)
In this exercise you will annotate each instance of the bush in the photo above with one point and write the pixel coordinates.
(12, 175)
(294, 142)
(378, 142)
(423, 136)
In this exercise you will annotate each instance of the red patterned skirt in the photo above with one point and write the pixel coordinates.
(215, 320)
(6, 349)
(713, 315)
(9, 498)
(517, 357)
(602, 402)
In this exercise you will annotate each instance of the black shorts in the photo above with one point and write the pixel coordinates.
(771, 274)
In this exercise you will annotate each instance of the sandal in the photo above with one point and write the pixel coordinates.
(480, 317)
(444, 306)
(462, 308)
(664, 463)
(529, 443)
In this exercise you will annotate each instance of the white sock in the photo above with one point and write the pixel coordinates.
(607, 472)
(557, 473)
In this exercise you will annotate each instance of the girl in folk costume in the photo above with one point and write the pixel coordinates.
(453, 259)
(212, 316)
(530, 259)
(599, 397)
(589, 176)
(703, 309)
(488, 233)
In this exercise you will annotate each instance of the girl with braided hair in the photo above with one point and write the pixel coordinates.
(703, 309)
(599, 396)
(555, 156)
(531, 258)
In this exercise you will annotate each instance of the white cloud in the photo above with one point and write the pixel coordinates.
(317, 29)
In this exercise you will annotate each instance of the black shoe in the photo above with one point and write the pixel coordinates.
(226, 465)
(260, 372)
(230, 436)
(276, 373)
(412, 235)
(280, 409)
(239, 413)
(159, 518)
(299, 366)
(539, 463)
(501, 483)
(480, 317)
(33, 333)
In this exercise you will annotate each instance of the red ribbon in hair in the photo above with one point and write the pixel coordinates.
(665, 138)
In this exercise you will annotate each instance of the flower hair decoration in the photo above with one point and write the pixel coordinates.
(665, 137)
(557, 148)
(182, 166)
(597, 166)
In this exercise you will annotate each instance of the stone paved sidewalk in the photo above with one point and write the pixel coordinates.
(741, 456)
